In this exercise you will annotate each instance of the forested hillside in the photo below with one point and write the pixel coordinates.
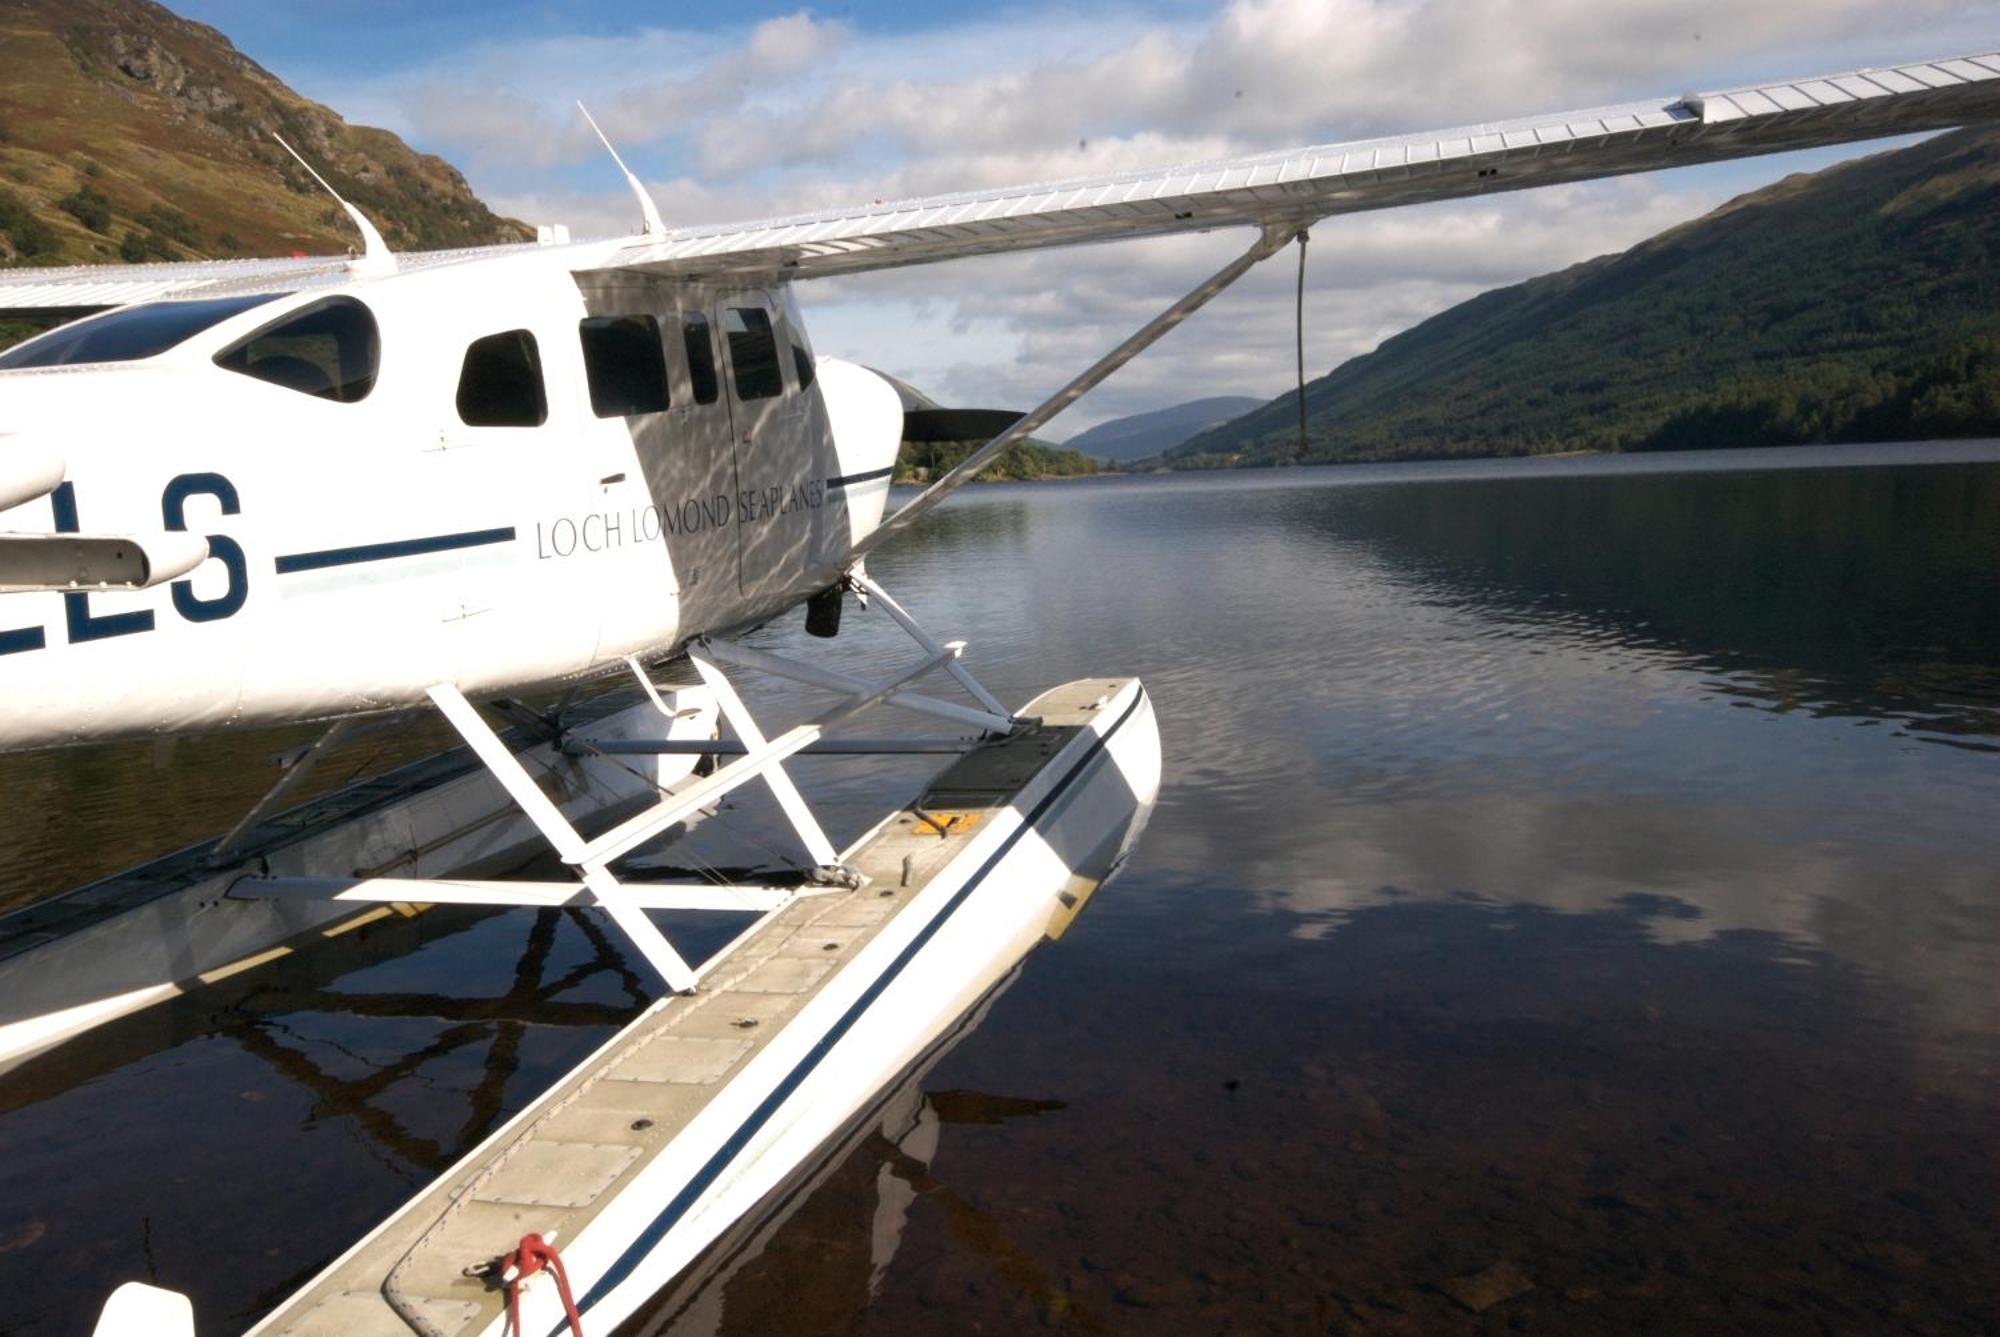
(1861, 303)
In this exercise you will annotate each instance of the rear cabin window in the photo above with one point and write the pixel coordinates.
(700, 341)
(802, 361)
(500, 383)
(753, 352)
(129, 334)
(329, 350)
(624, 364)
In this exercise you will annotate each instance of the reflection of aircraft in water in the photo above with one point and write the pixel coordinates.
(267, 491)
(831, 1234)
(361, 1068)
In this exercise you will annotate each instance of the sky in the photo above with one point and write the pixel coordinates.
(754, 109)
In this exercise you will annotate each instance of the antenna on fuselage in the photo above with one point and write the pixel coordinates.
(375, 257)
(650, 211)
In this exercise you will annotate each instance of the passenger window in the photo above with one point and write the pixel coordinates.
(500, 383)
(627, 371)
(701, 357)
(330, 350)
(753, 352)
(803, 361)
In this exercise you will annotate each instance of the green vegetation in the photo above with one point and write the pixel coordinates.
(920, 462)
(26, 238)
(1858, 304)
(135, 248)
(87, 205)
(171, 224)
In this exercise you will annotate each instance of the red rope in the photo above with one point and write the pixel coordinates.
(531, 1257)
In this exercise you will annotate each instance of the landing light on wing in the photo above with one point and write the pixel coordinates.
(41, 562)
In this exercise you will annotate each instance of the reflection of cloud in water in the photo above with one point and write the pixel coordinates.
(1921, 918)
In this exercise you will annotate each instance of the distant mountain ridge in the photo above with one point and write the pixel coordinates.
(1860, 303)
(129, 133)
(1155, 433)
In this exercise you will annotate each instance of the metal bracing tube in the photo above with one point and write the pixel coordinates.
(734, 747)
(642, 827)
(790, 801)
(954, 666)
(570, 847)
(756, 760)
(743, 656)
(1275, 238)
(302, 766)
(749, 898)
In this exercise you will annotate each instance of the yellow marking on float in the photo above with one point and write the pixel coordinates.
(221, 973)
(361, 920)
(949, 822)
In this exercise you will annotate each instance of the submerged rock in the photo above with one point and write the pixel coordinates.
(1482, 1290)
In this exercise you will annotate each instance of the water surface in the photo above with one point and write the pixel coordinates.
(1574, 906)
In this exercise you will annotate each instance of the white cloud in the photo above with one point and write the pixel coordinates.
(801, 113)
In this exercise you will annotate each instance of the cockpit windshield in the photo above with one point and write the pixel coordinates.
(130, 333)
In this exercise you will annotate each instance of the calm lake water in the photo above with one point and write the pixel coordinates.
(1574, 906)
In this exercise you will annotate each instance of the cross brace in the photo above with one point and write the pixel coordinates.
(758, 758)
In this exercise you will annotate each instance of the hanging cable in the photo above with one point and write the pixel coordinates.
(1299, 332)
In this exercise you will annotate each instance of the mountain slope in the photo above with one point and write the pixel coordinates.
(1154, 433)
(1858, 303)
(129, 133)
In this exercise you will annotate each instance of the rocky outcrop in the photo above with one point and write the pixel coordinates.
(130, 103)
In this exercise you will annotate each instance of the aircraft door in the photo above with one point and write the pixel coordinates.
(692, 474)
(685, 453)
(780, 485)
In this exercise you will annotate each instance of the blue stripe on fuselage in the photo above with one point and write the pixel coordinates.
(381, 552)
(845, 479)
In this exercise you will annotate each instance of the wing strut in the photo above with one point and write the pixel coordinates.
(1274, 238)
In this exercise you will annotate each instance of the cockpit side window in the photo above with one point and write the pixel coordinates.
(330, 349)
(625, 366)
(700, 341)
(500, 382)
(753, 352)
(130, 333)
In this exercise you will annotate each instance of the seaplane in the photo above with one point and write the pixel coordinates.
(257, 492)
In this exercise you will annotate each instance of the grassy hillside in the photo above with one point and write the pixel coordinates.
(127, 133)
(1861, 303)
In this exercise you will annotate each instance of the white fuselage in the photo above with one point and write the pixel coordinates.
(362, 551)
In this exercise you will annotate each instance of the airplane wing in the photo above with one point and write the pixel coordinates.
(1303, 185)
(1287, 188)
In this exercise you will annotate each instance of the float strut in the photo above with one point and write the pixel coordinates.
(570, 847)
